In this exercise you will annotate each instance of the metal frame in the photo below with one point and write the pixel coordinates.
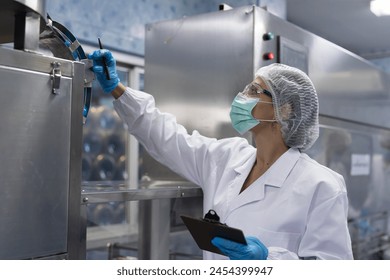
(154, 215)
(76, 213)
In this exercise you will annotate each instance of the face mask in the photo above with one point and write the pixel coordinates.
(241, 113)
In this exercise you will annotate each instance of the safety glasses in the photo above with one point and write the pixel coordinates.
(254, 90)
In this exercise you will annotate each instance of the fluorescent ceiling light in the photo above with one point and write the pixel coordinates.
(380, 7)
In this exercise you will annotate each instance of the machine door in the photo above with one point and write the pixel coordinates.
(34, 167)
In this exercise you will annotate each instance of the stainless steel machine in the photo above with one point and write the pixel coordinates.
(41, 101)
(195, 66)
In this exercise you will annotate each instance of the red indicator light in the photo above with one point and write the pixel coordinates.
(269, 56)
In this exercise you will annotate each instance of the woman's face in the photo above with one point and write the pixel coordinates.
(263, 110)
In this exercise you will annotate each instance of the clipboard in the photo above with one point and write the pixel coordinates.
(204, 230)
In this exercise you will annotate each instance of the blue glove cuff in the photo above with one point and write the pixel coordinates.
(107, 88)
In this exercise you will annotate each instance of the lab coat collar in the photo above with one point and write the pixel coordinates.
(243, 168)
(274, 177)
(278, 172)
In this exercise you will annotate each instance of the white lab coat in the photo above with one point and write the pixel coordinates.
(298, 208)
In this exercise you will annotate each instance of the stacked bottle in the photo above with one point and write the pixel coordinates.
(104, 146)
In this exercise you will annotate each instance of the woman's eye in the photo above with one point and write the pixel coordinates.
(253, 91)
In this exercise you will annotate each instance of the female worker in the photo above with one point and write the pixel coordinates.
(287, 205)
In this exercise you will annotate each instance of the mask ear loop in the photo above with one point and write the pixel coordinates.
(270, 121)
(265, 102)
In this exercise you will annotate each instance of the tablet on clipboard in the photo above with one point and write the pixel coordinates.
(204, 230)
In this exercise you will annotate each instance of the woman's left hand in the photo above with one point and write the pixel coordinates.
(253, 250)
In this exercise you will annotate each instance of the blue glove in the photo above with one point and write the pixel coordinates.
(98, 69)
(254, 250)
